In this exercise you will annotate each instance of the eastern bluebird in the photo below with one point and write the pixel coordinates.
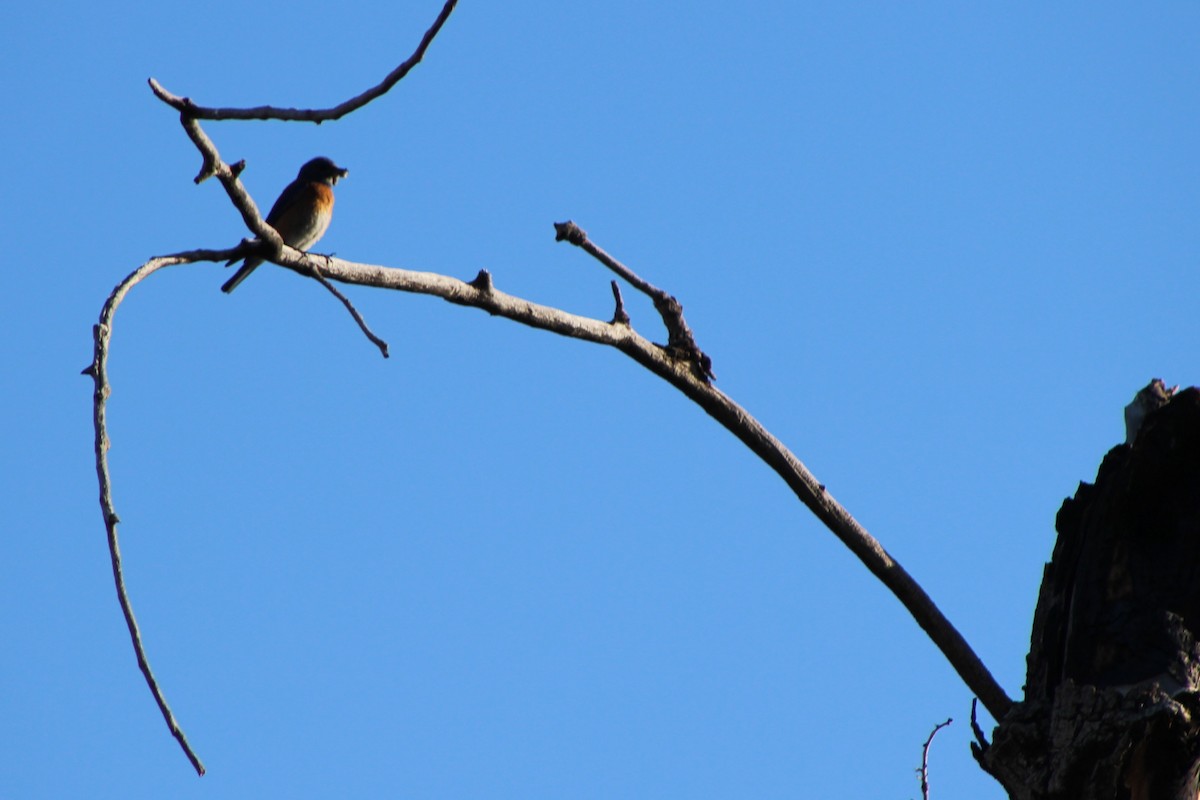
(301, 214)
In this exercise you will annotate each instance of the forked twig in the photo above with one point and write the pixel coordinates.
(680, 340)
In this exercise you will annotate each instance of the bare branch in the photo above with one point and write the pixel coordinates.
(679, 335)
(681, 373)
(924, 770)
(680, 362)
(663, 361)
(98, 370)
(213, 165)
(185, 106)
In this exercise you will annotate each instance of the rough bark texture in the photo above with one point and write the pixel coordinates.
(1111, 706)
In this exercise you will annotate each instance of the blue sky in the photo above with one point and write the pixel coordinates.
(934, 247)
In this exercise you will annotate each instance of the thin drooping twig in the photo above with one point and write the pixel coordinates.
(679, 336)
(924, 770)
(185, 106)
(98, 370)
(362, 323)
(681, 373)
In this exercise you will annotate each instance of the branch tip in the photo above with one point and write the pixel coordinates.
(570, 232)
(207, 170)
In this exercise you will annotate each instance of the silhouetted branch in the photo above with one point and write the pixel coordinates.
(980, 745)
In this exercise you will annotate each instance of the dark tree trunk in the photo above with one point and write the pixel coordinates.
(1111, 708)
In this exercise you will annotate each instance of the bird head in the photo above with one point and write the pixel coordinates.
(322, 170)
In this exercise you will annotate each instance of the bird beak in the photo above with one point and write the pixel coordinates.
(341, 174)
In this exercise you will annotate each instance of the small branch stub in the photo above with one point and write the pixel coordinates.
(482, 281)
(620, 317)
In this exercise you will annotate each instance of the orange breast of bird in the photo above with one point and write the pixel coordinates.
(306, 219)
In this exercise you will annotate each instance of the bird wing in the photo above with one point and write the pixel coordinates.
(304, 218)
(287, 198)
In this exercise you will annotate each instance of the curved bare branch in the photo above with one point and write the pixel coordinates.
(185, 106)
(924, 770)
(98, 370)
(664, 361)
(682, 374)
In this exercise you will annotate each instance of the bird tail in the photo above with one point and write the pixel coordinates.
(243, 272)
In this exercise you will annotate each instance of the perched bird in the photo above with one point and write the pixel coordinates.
(301, 214)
